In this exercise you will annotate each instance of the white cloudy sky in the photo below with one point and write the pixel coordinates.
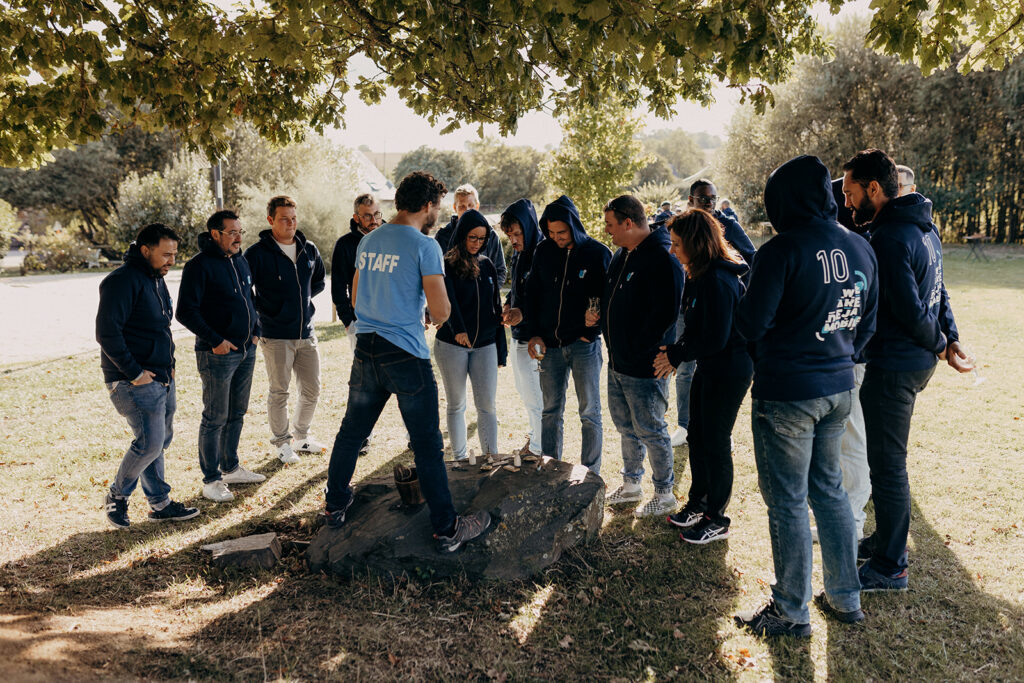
(392, 127)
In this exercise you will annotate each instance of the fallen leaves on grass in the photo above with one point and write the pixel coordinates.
(566, 642)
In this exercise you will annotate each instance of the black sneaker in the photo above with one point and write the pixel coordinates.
(767, 622)
(364, 448)
(335, 518)
(705, 531)
(685, 518)
(872, 581)
(865, 548)
(174, 512)
(117, 511)
(467, 528)
(821, 600)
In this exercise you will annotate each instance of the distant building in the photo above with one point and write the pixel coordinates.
(372, 180)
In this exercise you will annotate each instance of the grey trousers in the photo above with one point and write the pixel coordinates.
(284, 357)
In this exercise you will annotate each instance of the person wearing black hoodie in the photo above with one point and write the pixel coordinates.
(287, 272)
(519, 223)
(639, 307)
(215, 303)
(133, 328)
(808, 313)
(568, 273)
(465, 198)
(915, 327)
(471, 343)
(366, 217)
(713, 289)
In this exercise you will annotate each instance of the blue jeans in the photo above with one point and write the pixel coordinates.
(379, 370)
(584, 360)
(638, 408)
(684, 377)
(526, 372)
(481, 366)
(227, 380)
(888, 399)
(149, 410)
(796, 447)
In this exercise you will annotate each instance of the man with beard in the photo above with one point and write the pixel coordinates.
(399, 270)
(366, 216)
(915, 326)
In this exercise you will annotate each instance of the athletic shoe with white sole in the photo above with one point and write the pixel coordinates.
(626, 493)
(679, 437)
(310, 445)
(217, 491)
(117, 511)
(659, 505)
(704, 532)
(767, 622)
(174, 512)
(242, 476)
(685, 518)
(467, 528)
(286, 455)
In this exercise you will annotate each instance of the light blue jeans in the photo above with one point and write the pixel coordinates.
(456, 363)
(684, 378)
(149, 410)
(525, 371)
(638, 408)
(796, 447)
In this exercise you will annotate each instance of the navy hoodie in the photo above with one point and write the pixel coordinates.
(562, 281)
(133, 322)
(284, 290)
(215, 297)
(811, 302)
(522, 210)
(476, 302)
(640, 304)
(492, 248)
(915, 321)
(736, 236)
(343, 271)
(710, 336)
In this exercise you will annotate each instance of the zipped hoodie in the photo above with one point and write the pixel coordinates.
(133, 322)
(343, 271)
(522, 261)
(915, 321)
(710, 336)
(562, 281)
(492, 247)
(640, 304)
(813, 294)
(215, 297)
(284, 291)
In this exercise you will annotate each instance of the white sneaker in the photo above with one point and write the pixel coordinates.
(679, 437)
(626, 493)
(310, 445)
(242, 476)
(286, 455)
(657, 506)
(217, 491)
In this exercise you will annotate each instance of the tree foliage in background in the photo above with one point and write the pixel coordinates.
(9, 225)
(656, 171)
(962, 134)
(599, 155)
(678, 148)
(653, 194)
(504, 173)
(179, 197)
(446, 165)
(81, 183)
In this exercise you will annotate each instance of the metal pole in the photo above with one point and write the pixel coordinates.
(218, 186)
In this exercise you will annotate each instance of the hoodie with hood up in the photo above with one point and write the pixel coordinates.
(215, 297)
(476, 302)
(915, 321)
(562, 281)
(813, 293)
(710, 336)
(492, 248)
(284, 290)
(343, 271)
(640, 304)
(133, 322)
(522, 261)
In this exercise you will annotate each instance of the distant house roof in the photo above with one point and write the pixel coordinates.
(372, 180)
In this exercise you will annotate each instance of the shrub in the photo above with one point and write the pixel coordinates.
(56, 251)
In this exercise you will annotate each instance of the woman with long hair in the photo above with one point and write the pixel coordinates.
(472, 342)
(723, 374)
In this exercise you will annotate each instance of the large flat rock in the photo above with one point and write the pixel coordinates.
(537, 515)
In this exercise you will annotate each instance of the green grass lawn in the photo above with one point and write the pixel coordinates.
(80, 600)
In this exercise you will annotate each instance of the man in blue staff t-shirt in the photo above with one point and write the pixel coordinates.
(399, 270)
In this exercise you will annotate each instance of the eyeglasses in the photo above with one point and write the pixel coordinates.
(233, 233)
(376, 216)
(474, 238)
(706, 199)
